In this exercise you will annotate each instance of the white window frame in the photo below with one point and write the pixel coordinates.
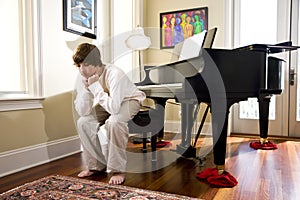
(32, 54)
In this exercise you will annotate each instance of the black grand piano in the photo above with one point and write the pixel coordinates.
(218, 78)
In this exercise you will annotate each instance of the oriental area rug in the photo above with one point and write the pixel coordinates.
(67, 188)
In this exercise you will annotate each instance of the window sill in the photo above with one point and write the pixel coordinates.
(13, 104)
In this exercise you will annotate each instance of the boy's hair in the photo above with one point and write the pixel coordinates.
(87, 53)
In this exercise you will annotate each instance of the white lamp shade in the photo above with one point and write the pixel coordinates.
(137, 40)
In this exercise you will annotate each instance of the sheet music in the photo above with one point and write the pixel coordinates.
(191, 46)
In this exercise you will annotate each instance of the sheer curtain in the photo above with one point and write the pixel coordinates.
(19, 55)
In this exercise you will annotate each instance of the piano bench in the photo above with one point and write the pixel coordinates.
(147, 122)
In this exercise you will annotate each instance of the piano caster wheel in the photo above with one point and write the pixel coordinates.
(221, 169)
(263, 140)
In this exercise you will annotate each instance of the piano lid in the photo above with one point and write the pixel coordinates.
(270, 48)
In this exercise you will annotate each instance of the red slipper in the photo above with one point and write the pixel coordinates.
(163, 143)
(219, 180)
(223, 180)
(265, 146)
(207, 173)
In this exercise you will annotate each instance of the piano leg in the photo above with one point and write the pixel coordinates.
(161, 102)
(218, 176)
(264, 103)
(219, 139)
(185, 148)
(160, 135)
(187, 124)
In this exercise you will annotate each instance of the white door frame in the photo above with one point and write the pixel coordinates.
(294, 126)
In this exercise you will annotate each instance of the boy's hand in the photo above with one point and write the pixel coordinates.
(85, 82)
(92, 79)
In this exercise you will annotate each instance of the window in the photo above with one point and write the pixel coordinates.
(256, 28)
(19, 52)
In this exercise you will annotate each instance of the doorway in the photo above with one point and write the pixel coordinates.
(252, 26)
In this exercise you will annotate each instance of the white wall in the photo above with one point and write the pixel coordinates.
(59, 73)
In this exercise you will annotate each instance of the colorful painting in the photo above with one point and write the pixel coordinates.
(178, 25)
(80, 17)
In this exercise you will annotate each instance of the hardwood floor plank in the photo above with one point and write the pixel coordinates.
(276, 191)
(263, 191)
(294, 167)
(271, 174)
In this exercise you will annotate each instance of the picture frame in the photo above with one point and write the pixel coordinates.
(175, 26)
(79, 17)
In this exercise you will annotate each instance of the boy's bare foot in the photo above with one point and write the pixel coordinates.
(86, 173)
(117, 179)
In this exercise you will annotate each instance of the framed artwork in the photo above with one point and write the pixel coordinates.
(175, 26)
(79, 17)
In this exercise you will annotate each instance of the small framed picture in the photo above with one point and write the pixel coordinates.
(79, 17)
(175, 26)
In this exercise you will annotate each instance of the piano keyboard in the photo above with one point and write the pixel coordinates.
(162, 86)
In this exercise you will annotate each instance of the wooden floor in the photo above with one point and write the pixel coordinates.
(271, 174)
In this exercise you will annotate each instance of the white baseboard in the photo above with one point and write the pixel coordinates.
(172, 126)
(25, 158)
(175, 127)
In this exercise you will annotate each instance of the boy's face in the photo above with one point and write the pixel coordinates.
(86, 70)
